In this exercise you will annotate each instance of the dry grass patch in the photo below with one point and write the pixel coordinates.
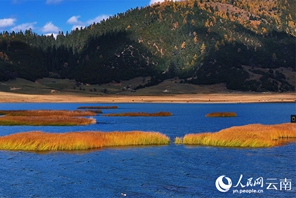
(136, 114)
(96, 111)
(221, 114)
(46, 117)
(253, 135)
(40, 141)
(98, 107)
(178, 140)
(46, 113)
(45, 120)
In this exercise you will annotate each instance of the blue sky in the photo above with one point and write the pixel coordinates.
(51, 16)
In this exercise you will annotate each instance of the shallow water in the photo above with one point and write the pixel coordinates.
(152, 171)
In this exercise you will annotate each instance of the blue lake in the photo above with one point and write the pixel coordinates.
(153, 171)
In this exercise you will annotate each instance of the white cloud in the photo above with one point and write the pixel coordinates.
(6, 22)
(53, 1)
(74, 20)
(23, 27)
(53, 34)
(78, 26)
(50, 28)
(155, 1)
(98, 19)
(158, 1)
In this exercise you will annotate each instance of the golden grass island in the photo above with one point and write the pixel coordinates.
(138, 114)
(98, 107)
(248, 136)
(41, 141)
(46, 113)
(221, 114)
(46, 118)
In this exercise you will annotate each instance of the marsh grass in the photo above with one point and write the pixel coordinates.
(46, 113)
(41, 141)
(45, 121)
(46, 117)
(97, 111)
(178, 140)
(137, 114)
(98, 107)
(253, 135)
(221, 114)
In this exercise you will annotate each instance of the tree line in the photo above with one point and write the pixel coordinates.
(199, 41)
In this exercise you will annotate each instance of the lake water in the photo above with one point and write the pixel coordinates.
(154, 171)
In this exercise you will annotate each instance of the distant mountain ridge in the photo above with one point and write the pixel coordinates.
(247, 44)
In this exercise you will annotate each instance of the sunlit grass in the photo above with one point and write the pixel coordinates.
(98, 107)
(178, 140)
(46, 113)
(45, 121)
(253, 135)
(40, 141)
(221, 114)
(135, 114)
(46, 117)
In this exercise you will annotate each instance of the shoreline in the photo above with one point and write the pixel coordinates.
(7, 97)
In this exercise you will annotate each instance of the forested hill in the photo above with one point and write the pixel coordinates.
(247, 44)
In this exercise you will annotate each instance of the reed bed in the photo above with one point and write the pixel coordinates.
(41, 141)
(98, 107)
(96, 111)
(253, 135)
(45, 120)
(46, 113)
(221, 114)
(138, 114)
(178, 140)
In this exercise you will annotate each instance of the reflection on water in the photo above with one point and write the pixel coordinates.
(150, 171)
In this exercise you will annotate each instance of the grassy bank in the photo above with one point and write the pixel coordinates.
(253, 135)
(136, 114)
(40, 141)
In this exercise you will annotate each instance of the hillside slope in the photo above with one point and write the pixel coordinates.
(248, 45)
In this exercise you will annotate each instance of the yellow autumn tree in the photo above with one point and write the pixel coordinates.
(217, 46)
(195, 40)
(203, 48)
(183, 45)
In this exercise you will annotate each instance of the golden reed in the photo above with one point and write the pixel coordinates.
(253, 135)
(46, 117)
(40, 141)
(46, 113)
(45, 121)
